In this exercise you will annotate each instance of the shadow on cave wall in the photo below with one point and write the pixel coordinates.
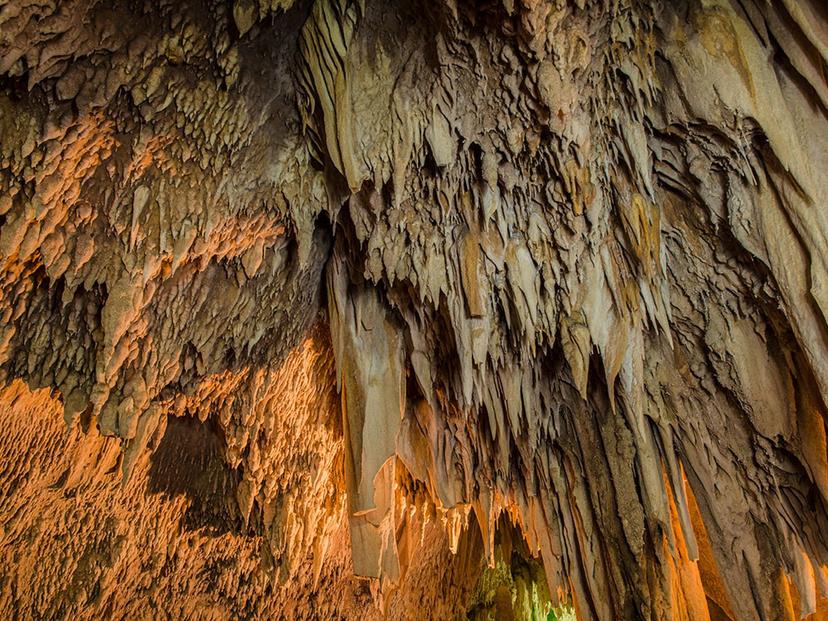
(189, 462)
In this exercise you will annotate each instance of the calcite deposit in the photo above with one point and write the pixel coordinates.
(411, 309)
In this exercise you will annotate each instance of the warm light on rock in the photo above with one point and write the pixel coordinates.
(444, 309)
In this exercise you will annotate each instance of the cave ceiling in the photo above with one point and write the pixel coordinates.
(327, 308)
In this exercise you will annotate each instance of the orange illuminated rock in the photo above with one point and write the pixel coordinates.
(355, 308)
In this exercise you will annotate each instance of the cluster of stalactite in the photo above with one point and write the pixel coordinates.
(439, 271)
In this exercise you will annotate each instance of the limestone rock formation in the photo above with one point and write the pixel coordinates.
(414, 309)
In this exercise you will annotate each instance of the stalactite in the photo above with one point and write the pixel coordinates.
(419, 279)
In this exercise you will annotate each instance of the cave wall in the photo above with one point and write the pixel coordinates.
(170, 542)
(421, 270)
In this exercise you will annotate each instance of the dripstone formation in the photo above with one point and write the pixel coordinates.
(414, 309)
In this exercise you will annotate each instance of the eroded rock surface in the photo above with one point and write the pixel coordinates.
(377, 286)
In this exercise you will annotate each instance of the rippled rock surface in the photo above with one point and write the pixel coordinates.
(414, 309)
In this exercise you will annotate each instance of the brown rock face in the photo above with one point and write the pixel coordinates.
(414, 309)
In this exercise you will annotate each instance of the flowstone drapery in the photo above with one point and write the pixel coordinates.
(414, 288)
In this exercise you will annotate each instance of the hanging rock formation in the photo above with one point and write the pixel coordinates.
(319, 308)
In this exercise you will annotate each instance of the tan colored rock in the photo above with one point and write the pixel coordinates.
(573, 260)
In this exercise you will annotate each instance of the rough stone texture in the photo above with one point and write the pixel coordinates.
(571, 264)
(171, 542)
